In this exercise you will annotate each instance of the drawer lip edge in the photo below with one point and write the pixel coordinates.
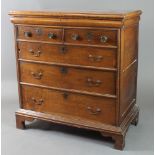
(64, 43)
(69, 90)
(68, 65)
(70, 27)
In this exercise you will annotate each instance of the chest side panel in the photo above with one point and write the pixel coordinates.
(129, 64)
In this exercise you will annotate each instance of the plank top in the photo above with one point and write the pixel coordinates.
(115, 15)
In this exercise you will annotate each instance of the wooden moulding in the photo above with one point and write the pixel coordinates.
(71, 44)
(77, 15)
(70, 90)
(117, 133)
(105, 19)
(69, 65)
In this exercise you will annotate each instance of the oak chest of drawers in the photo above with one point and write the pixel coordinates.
(78, 69)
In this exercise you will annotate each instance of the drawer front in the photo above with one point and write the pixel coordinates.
(86, 56)
(70, 78)
(85, 106)
(91, 36)
(39, 33)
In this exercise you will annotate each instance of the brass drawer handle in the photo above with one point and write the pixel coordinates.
(38, 102)
(35, 53)
(52, 35)
(75, 37)
(37, 75)
(63, 50)
(103, 39)
(95, 58)
(27, 34)
(92, 83)
(94, 111)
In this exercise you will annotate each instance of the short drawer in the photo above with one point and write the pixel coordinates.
(91, 36)
(39, 33)
(86, 56)
(68, 77)
(85, 106)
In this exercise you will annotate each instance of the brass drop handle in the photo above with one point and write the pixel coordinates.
(37, 75)
(52, 36)
(94, 111)
(91, 82)
(28, 34)
(38, 102)
(35, 53)
(95, 58)
(103, 39)
(34, 100)
(75, 37)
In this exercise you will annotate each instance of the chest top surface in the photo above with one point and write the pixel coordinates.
(102, 15)
(107, 19)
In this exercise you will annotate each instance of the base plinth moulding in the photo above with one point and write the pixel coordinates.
(117, 133)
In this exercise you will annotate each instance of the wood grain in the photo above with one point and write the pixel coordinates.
(113, 15)
(70, 104)
(129, 68)
(43, 36)
(86, 56)
(78, 69)
(95, 36)
(70, 78)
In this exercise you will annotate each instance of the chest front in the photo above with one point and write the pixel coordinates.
(78, 70)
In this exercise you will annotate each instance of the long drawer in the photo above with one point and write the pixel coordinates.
(86, 56)
(102, 82)
(87, 107)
